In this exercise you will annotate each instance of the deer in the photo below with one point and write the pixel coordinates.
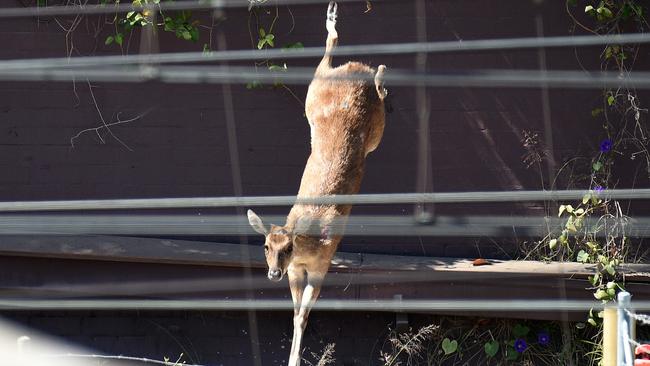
(346, 116)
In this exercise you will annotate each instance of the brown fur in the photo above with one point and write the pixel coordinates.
(346, 117)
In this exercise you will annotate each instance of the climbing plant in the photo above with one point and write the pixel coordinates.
(594, 230)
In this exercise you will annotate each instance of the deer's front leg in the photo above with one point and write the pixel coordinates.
(297, 285)
(309, 296)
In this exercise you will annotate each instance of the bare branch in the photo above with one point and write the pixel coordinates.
(107, 126)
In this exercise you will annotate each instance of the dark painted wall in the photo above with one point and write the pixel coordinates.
(180, 149)
(180, 146)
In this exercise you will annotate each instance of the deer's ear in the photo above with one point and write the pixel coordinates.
(256, 223)
(302, 225)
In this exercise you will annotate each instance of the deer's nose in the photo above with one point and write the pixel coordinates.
(275, 275)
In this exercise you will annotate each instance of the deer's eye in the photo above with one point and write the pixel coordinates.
(289, 248)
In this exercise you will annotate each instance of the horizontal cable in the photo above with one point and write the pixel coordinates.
(360, 199)
(302, 76)
(352, 50)
(356, 225)
(212, 285)
(322, 304)
(233, 285)
(98, 9)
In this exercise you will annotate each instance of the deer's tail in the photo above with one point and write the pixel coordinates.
(379, 82)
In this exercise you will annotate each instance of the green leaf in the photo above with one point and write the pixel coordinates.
(561, 210)
(594, 279)
(611, 292)
(195, 34)
(491, 348)
(254, 85)
(608, 53)
(262, 32)
(260, 43)
(206, 49)
(294, 46)
(583, 257)
(586, 198)
(610, 269)
(592, 322)
(119, 38)
(269, 40)
(589, 9)
(596, 111)
(600, 294)
(611, 100)
(520, 331)
(109, 40)
(570, 225)
(569, 208)
(511, 354)
(579, 211)
(597, 166)
(602, 259)
(552, 244)
(276, 68)
(449, 346)
(605, 12)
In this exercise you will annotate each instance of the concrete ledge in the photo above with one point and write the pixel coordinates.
(153, 250)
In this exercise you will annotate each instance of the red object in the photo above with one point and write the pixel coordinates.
(480, 262)
(642, 354)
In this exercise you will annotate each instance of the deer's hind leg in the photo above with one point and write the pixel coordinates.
(332, 38)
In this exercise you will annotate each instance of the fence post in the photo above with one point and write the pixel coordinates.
(610, 325)
(624, 350)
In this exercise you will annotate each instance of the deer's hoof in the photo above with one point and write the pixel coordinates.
(331, 12)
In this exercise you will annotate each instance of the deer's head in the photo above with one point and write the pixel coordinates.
(278, 246)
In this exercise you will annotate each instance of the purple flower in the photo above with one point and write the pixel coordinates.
(605, 145)
(520, 345)
(543, 338)
(599, 189)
